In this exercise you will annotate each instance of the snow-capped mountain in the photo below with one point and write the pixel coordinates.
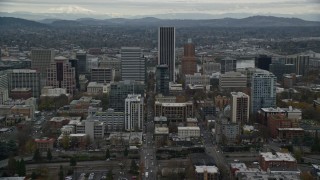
(71, 10)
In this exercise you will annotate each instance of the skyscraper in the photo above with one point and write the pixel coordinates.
(82, 61)
(263, 91)
(263, 62)
(132, 64)
(40, 61)
(61, 74)
(166, 48)
(162, 79)
(133, 119)
(188, 62)
(239, 107)
(228, 64)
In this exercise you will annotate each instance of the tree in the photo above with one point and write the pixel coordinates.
(65, 142)
(107, 154)
(298, 155)
(109, 175)
(316, 143)
(34, 175)
(73, 161)
(37, 155)
(49, 155)
(61, 173)
(12, 165)
(133, 168)
(22, 168)
(12, 146)
(125, 152)
(30, 146)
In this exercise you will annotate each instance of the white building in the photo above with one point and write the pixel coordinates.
(187, 132)
(98, 88)
(239, 107)
(197, 79)
(93, 128)
(134, 114)
(232, 80)
(4, 95)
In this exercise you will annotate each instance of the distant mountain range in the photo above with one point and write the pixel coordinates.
(254, 21)
(75, 12)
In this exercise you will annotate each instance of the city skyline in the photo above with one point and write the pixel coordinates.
(129, 8)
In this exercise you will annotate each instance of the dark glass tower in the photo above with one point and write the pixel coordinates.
(166, 48)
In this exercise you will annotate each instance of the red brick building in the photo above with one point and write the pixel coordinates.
(21, 93)
(44, 144)
(270, 160)
(279, 124)
(188, 62)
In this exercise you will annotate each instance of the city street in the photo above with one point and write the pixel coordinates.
(148, 153)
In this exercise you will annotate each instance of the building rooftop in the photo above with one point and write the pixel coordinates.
(174, 104)
(239, 94)
(23, 71)
(278, 156)
(290, 129)
(160, 118)
(273, 110)
(161, 130)
(44, 140)
(209, 169)
(189, 128)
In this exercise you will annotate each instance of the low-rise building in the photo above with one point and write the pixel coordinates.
(282, 127)
(268, 160)
(21, 93)
(191, 122)
(174, 112)
(187, 132)
(197, 79)
(161, 135)
(95, 88)
(113, 120)
(226, 132)
(160, 121)
(44, 144)
(175, 89)
(93, 128)
(204, 167)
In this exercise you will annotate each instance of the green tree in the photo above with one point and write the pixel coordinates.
(133, 167)
(125, 152)
(73, 161)
(65, 142)
(33, 175)
(12, 146)
(61, 176)
(109, 175)
(12, 165)
(49, 155)
(37, 155)
(107, 154)
(22, 168)
(316, 143)
(298, 155)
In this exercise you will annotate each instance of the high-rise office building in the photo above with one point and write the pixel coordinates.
(166, 48)
(188, 62)
(228, 64)
(101, 75)
(133, 65)
(263, 91)
(40, 61)
(162, 79)
(239, 107)
(301, 63)
(120, 90)
(82, 61)
(133, 119)
(74, 64)
(61, 74)
(4, 94)
(263, 62)
(25, 78)
(279, 69)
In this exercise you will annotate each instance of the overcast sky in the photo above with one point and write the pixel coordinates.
(145, 7)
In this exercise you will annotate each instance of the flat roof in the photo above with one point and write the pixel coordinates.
(209, 169)
(278, 156)
(189, 128)
(290, 129)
